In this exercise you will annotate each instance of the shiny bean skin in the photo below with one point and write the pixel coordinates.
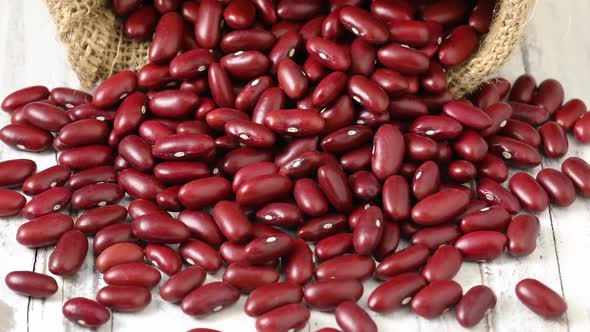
(403, 59)
(180, 172)
(388, 151)
(571, 111)
(541, 299)
(153, 76)
(582, 129)
(209, 299)
(285, 48)
(368, 94)
(84, 132)
(45, 116)
(15, 172)
(247, 99)
(475, 305)
(329, 88)
(310, 198)
(389, 240)
(11, 202)
(290, 317)
(272, 296)
(395, 292)
(367, 233)
(96, 195)
(363, 57)
(110, 235)
(115, 88)
(51, 200)
(164, 258)
(393, 83)
(364, 25)
(351, 266)
(251, 171)
(167, 39)
(443, 265)
(140, 185)
(141, 23)
(458, 46)
(436, 127)
(521, 131)
(158, 228)
(468, 115)
(245, 65)
(426, 180)
(461, 171)
(118, 253)
(31, 284)
(499, 113)
(247, 278)
(239, 14)
(241, 157)
(199, 253)
(494, 218)
(86, 312)
(549, 95)
(69, 253)
(151, 131)
(576, 169)
(389, 11)
(85, 157)
(326, 295)
(493, 193)
(558, 186)
(493, 168)
(183, 147)
(231, 221)
(246, 40)
(434, 299)
(24, 96)
(531, 114)
(346, 138)
(523, 89)
(295, 122)
(330, 54)
(405, 260)
(434, 237)
(173, 103)
(357, 159)
(217, 118)
(181, 283)
(515, 152)
(396, 197)
(333, 183)
(555, 143)
(25, 137)
(445, 12)
(439, 207)
(267, 248)
(250, 133)
(299, 266)
(522, 235)
(69, 98)
(481, 245)
(421, 148)
(529, 192)
(352, 318)
(470, 146)
(124, 298)
(191, 64)
(291, 78)
(364, 185)
(220, 85)
(334, 246)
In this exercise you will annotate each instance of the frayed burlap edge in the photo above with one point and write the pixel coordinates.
(505, 34)
(97, 46)
(94, 39)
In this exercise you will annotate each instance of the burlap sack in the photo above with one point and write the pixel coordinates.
(97, 47)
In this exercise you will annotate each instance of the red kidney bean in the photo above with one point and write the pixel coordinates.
(180, 172)
(368, 94)
(85, 312)
(85, 157)
(181, 283)
(124, 298)
(193, 127)
(346, 138)
(499, 113)
(159, 228)
(516, 152)
(209, 298)
(164, 258)
(309, 197)
(115, 88)
(314, 70)
(445, 12)
(575, 169)
(118, 253)
(15, 172)
(151, 131)
(246, 278)
(239, 14)
(280, 214)
(139, 207)
(481, 18)
(250, 133)
(84, 132)
(332, 29)
(357, 159)
(246, 40)
(295, 122)
(364, 185)
(521, 131)
(396, 197)
(45, 116)
(394, 83)
(529, 192)
(332, 181)
(153, 76)
(338, 115)
(245, 65)
(247, 99)
(523, 89)
(403, 59)
(167, 199)
(447, 204)
(481, 245)
(241, 157)
(461, 171)
(435, 80)
(99, 194)
(541, 299)
(267, 248)
(388, 151)
(263, 189)
(299, 10)
(443, 265)
(24, 96)
(289, 317)
(110, 235)
(284, 48)
(436, 127)
(31, 284)
(493, 168)
(141, 23)
(352, 318)
(409, 32)
(164, 6)
(11, 202)
(183, 147)
(434, 299)
(433, 237)
(326, 295)
(458, 46)
(272, 296)
(582, 129)
(421, 148)
(571, 111)
(395, 292)
(271, 99)
(334, 246)
(49, 201)
(468, 115)
(389, 11)
(493, 218)
(69, 253)
(329, 88)
(471, 146)
(292, 79)
(364, 25)
(367, 233)
(298, 265)
(173, 103)
(167, 39)
(426, 180)
(559, 187)
(549, 95)
(475, 305)
(493, 193)
(330, 54)
(405, 260)
(555, 143)
(363, 56)
(199, 253)
(220, 85)
(232, 222)
(389, 240)
(25, 137)
(140, 185)
(351, 266)
(409, 228)
(531, 114)
(522, 235)
(125, 7)
(232, 253)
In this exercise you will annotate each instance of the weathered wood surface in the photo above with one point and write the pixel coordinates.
(557, 45)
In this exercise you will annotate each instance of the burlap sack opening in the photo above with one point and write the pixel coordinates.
(97, 46)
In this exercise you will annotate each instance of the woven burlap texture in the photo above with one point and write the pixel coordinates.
(98, 48)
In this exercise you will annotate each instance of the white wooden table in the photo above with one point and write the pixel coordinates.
(557, 45)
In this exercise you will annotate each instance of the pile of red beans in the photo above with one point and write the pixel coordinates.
(292, 123)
